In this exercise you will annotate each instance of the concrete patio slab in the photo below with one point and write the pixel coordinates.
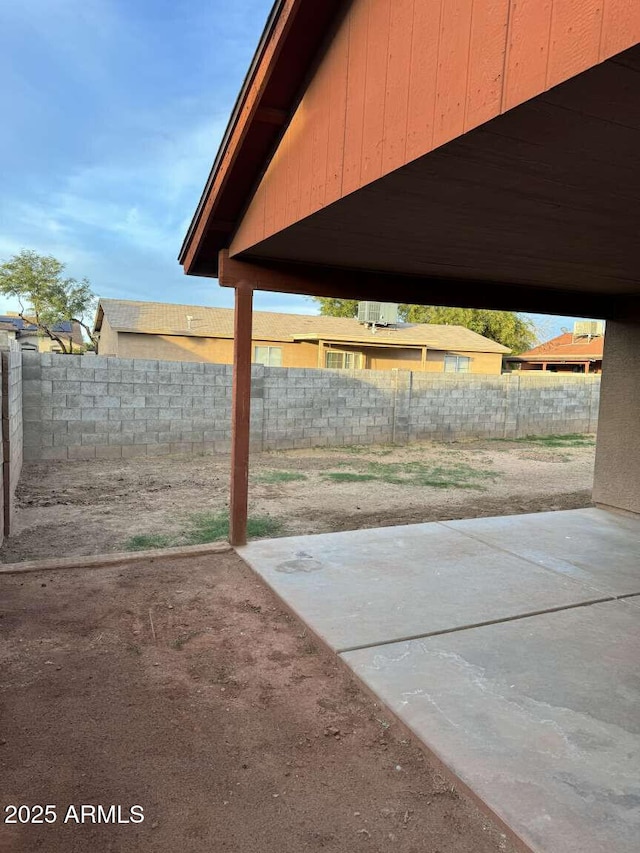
(367, 587)
(600, 548)
(538, 717)
(536, 712)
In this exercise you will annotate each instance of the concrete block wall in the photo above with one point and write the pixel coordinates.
(555, 404)
(515, 405)
(303, 407)
(78, 407)
(12, 430)
(458, 406)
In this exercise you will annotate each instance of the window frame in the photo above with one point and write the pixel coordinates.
(357, 357)
(269, 350)
(459, 359)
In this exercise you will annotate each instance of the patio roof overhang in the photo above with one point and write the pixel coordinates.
(535, 209)
(477, 155)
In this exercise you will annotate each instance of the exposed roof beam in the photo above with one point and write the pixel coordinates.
(385, 287)
(270, 115)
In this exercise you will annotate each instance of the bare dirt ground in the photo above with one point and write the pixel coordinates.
(185, 688)
(85, 508)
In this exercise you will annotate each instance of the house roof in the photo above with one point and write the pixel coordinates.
(566, 347)
(21, 325)
(66, 328)
(167, 319)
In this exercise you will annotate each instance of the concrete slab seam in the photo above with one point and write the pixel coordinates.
(458, 629)
(523, 557)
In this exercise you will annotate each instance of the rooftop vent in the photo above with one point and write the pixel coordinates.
(588, 329)
(378, 313)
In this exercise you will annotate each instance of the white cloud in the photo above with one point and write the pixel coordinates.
(144, 201)
(110, 186)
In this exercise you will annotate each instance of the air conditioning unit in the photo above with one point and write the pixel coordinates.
(378, 313)
(588, 329)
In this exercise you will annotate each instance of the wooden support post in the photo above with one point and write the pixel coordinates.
(240, 414)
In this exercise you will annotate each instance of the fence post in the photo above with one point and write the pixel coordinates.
(6, 447)
(512, 403)
(594, 403)
(12, 430)
(401, 405)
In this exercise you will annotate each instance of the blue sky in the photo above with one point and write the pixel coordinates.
(113, 112)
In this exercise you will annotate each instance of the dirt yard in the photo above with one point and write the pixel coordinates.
(185, 688)
(83, 508)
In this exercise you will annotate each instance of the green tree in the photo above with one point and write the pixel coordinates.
(45, 296)
(506, 327)
(336, 307)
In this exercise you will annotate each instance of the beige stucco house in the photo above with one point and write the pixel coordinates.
(196, 333)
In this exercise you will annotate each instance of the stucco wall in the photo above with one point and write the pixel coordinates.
(294, 354)
(85, 408)
(173, 348)
(617, 470)
(108, 342)
(383, 359)
(481, 362)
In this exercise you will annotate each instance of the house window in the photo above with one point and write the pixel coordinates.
(457, 364)
(338, 360)
(269, 356)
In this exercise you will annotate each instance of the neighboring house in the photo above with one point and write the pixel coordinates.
(194, 333)
(13, 327)
(579, 351)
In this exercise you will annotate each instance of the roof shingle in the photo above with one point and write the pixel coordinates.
(168, 319)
